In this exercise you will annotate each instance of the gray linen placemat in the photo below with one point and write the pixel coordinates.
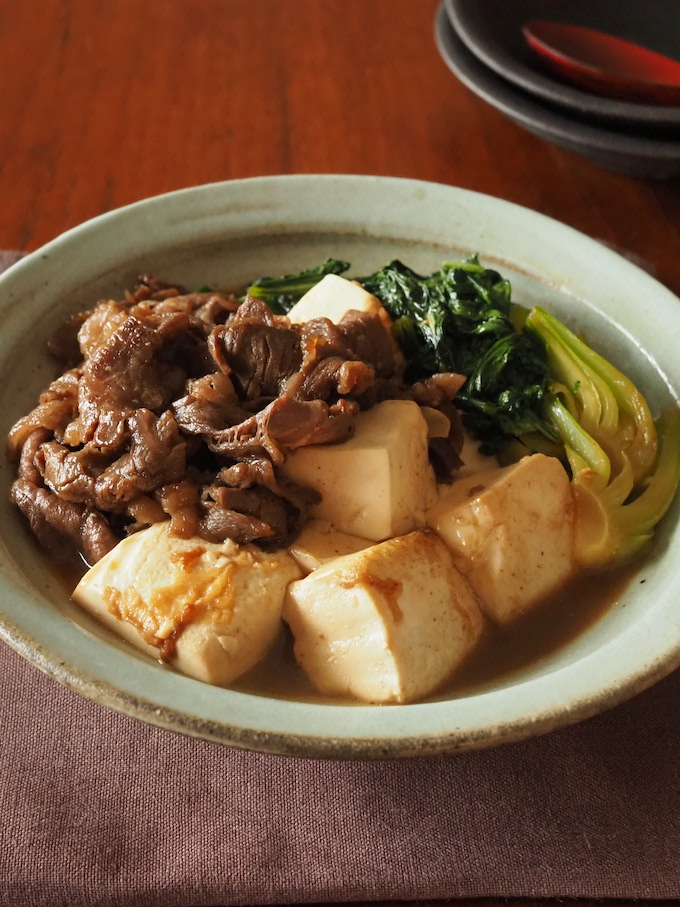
(97, 809)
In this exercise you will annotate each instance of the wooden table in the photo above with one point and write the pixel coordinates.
(104, 103)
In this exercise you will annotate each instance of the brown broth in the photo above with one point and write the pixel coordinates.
(557, 621)
(502, 652)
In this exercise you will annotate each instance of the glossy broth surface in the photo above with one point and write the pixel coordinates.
(501, 652)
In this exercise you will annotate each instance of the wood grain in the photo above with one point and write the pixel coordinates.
(104, 103)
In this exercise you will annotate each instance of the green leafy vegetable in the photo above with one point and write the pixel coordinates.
(532, 385)
(461, 319)
(281, 293)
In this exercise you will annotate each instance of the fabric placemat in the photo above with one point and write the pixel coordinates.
(98, 809)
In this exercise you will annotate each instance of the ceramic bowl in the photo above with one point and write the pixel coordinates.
(492, 30)
(619, 151)
(228, 233)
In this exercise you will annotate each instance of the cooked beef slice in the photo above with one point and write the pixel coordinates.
(54, 520)
(210, 405)
(246, 515)
(183, 405)
(180, 502)
(257, 349)
(260, 471)
(365, 334)
(157, 456)
(284, 425)
(57, 523)
(56, 408)
(125, 374)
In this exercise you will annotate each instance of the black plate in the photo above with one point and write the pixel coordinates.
(491, 29)
(622, 152)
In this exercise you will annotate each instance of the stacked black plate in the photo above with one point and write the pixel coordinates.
(482, 43)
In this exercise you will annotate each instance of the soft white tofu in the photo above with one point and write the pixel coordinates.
(473, 459)
(511, 533)
(221, 602)
(386, 624)
(377, 484)
(332, 297)
(319, 543)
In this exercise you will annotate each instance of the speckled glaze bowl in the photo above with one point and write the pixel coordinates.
(227, 233)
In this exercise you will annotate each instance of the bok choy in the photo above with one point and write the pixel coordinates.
(625, 467)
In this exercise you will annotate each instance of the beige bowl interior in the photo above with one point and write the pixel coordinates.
(227, 234)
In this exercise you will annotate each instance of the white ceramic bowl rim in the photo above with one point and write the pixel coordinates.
(410, 211)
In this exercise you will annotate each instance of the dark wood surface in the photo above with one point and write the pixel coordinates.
(104, 103)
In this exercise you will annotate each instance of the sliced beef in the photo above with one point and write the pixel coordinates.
(125, 374)
(182, 407)
(439, 392)
(206, 310)
(157, 456)
(55, 521)
(345, 360)
(157, 451)
(445, 458)
(247, 515)
(297, 423)
(210, 405)
(245, 502)
(28, 467)
(219, 521)
(67, 472)
(150, 287)
(58, 524)
(438, 389)
(284, 425)
(365, 334)
(260, 471)
(257, 350)
(100, 325)
(333, 377)
(266, 356)
(203, 311)
(180, 501)
(145, 511)
(56, 408)
(211, 409)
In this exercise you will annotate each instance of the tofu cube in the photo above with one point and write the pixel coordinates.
(511, 533)
(379, 483)
(332, 297)
(387, 624)
(221, 603)
(473, 459)
(319, 543)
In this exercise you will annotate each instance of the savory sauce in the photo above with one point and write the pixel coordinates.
(502, 652)
(555, 623)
